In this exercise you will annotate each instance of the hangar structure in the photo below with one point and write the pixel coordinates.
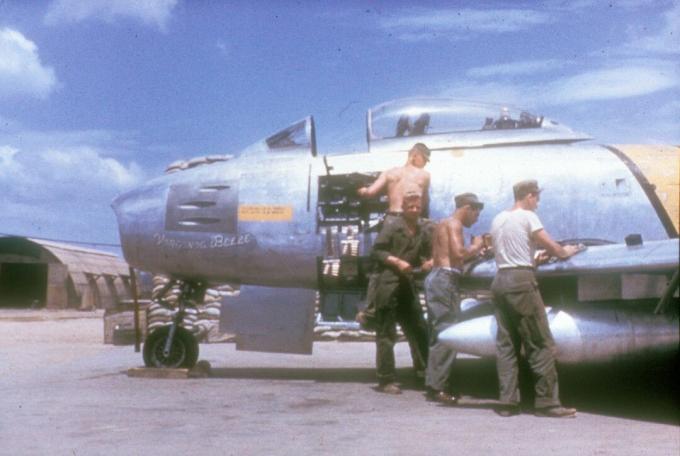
(36, 273)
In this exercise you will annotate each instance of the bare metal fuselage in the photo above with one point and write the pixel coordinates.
(589, 194)
(266, 219)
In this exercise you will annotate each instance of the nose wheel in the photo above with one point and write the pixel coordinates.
(174, 346)
(181, 352)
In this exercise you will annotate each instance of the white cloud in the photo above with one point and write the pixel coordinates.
(47, 175)
(489, 92)
(630, 120)
(579, 5)
(662, 40)
(645, 92)
(517, 68)
(87, 167)
(8, 164)
(666, 39)
(625, 80)
(151, 12)
(63, 188)
(21, 71)
(420, 24)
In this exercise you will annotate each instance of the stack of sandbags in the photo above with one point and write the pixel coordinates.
(159, 282)
(203, 321)
(324, 330)
(211, 312)
(157, 316)
(208, 319)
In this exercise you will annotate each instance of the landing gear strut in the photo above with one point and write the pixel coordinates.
(174, 346)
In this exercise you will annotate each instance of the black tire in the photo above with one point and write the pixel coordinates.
(183, 351)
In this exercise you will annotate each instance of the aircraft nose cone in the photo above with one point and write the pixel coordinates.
(475, 337)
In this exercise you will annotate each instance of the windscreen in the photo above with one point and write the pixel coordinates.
(299, 135)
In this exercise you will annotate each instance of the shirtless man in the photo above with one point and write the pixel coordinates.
(397, 179)
(441, 290)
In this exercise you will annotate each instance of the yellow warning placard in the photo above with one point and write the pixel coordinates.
(264, 213)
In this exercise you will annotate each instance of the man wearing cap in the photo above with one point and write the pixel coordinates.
(520, 312)
(401, 246)
(441, 290)
(396, 181)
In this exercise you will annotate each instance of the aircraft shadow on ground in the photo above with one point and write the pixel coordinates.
(644, 390)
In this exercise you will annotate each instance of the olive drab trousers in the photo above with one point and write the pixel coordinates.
(522, 322)
(401, 307)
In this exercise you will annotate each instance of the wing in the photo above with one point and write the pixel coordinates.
(600, 304)
(652, 256)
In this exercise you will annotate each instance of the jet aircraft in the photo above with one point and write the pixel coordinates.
(285, 222)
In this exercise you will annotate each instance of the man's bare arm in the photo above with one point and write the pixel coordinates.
(375, 188)
(457, 243)
(543, 239)
(401, 265)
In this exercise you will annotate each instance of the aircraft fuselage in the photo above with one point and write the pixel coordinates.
(254, 220)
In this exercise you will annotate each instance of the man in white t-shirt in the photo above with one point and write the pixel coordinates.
(520, 311)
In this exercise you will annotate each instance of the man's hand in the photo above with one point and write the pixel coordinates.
(571, 250)
(427, 265)
(476, 247)
(363, 191)
(488, 244)
(404, 267)
(541, 257)
(543, 239)
(477, 243)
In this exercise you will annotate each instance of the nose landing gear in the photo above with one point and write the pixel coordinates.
(174, 346)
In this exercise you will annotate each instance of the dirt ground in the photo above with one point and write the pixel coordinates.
(64, 392)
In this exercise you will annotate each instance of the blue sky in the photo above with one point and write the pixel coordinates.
(97, 96)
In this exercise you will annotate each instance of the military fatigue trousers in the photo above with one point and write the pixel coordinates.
(443, 307)
(403, 307)
(521, 318)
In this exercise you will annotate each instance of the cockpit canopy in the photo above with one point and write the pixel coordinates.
(419, 117)
(453, 123)
(438, 122)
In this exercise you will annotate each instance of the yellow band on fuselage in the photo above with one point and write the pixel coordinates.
(661, 167)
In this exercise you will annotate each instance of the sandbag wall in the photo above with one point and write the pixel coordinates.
(203, 321)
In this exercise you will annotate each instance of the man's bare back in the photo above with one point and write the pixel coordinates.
(398, 180)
